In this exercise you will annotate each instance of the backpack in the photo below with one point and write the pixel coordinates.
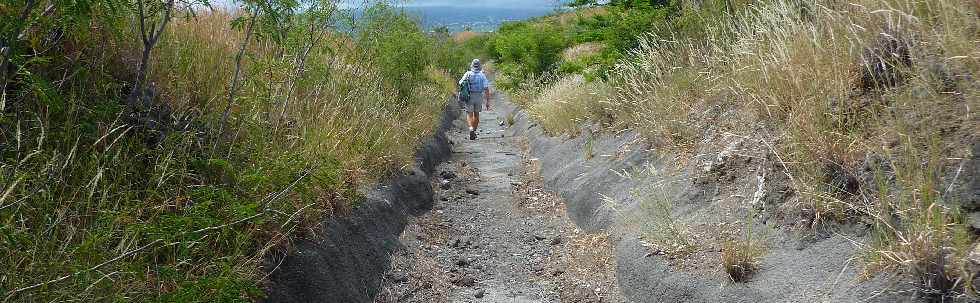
(464, 91)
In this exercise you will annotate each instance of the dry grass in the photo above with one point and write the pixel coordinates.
(582, 50)
(664, 233)
(798, 75)
(461, 37)
(915, 232)
(740, 258)
(831, 84)
(338, 110)
(741, 252)
(828, 83)
(567, 103)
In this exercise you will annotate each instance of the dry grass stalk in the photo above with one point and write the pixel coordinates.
(833, 82)
(740, 258)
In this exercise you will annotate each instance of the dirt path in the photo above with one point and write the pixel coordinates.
(495, 236)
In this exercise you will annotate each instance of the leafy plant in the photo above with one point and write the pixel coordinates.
(525, 49)
(252, 127)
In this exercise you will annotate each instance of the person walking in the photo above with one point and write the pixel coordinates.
(479, 90)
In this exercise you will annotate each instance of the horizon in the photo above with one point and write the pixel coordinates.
(476, 15)
(501, 4)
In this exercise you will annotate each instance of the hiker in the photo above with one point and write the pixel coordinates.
(477, 89)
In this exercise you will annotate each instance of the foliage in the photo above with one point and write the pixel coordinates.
(143, 207)
(832, 91)
(396, 44)
(621, 26)
(530, 48)
(525, 49)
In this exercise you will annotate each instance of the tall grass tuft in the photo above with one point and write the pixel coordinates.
(740, 258)
(828, 86)
(831, 83)
(97, 206)
(915, 232)
(565, 103)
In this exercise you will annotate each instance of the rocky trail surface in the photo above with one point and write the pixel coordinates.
(494, 235)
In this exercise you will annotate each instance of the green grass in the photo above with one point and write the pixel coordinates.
(98, 206)
(659, 225)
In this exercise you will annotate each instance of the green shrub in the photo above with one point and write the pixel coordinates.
(531, 47)
(526, 48)
(570, 67)
(179, 212)
(396, 45)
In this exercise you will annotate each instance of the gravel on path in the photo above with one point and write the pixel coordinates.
(494, 235)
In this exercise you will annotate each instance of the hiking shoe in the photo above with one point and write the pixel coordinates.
(472, 135)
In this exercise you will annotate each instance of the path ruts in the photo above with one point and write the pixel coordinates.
(494, 235)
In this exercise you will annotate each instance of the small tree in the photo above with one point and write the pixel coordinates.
(318, 18)
(396, 45)
(152, 18)
(233, 87)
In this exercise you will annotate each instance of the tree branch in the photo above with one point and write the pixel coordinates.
(163, 22)
(233, 88)
(139, 4)
(66, 277)
(226, 225)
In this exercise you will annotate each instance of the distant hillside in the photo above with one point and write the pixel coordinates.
(481, 19)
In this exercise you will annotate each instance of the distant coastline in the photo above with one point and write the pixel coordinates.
(480, 19)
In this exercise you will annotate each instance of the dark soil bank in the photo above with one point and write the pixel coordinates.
(614, 182)
(347, 265)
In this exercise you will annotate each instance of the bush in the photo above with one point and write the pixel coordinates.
(396, 45)
(527, 49)
(172, 209)
(570, 67)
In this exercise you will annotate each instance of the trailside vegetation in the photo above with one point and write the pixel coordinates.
(164, 150)
(867, 108)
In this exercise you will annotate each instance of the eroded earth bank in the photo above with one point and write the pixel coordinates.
(519, 216)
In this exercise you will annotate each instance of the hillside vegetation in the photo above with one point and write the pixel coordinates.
(867, 107)
(167, 151)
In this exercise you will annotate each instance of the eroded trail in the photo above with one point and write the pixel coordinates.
(495, 236)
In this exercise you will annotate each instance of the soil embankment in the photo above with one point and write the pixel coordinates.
(667, 216)
(496, 232)
(348, 261)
